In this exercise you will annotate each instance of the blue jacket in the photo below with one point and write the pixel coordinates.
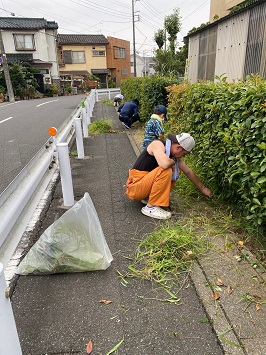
(128, 109)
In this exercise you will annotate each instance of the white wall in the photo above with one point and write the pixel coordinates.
(45, 47)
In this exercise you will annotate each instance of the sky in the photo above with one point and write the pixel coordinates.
(113, 17)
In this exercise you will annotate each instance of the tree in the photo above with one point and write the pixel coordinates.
(172, 24)
(159, 38)
(168, 62)
(22, 78)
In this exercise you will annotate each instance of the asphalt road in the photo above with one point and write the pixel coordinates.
(23, 130)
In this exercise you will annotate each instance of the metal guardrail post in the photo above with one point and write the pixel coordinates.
(84, 122)
(88, 110)
(65, 174)
(79, 140)
(9, 341)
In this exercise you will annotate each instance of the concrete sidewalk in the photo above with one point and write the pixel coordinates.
(59, 314)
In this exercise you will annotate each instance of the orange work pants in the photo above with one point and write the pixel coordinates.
(155, 184)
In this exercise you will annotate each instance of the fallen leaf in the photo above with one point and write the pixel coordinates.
(256, 298)
(219, 282)
(257, 307)
(105, 301)
(89, 347)
(240, 243)
(215, 296)
(229, 289)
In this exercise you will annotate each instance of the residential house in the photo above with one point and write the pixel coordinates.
(118, 59)
(80, 57)
(32, 40)
(144, 66)
(234, 45)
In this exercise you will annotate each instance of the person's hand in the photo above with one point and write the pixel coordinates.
(206, 192)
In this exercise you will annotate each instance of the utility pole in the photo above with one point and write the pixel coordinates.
(9, 87)
(134, 40)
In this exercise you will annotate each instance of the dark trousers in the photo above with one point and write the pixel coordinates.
(129, 120)
(126, 120)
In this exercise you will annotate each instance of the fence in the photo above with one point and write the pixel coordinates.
(20, 199)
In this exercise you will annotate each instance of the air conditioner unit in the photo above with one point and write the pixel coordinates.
(47, 78)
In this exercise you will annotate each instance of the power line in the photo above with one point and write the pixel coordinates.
(99, 8)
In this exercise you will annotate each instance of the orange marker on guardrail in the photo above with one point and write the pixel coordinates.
(52, 131)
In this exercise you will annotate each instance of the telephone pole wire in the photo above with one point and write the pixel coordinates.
(9, 87)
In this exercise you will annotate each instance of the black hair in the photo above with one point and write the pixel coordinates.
(136, 101)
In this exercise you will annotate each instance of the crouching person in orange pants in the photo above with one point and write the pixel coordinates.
(156, 170)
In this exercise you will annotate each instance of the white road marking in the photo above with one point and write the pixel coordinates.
(9, 118)
(47, 102)
(12, 103)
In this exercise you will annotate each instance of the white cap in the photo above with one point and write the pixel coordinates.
(184, 139)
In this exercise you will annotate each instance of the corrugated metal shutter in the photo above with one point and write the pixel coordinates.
(256, 38)
(231, 47)
(203, 45)
(207, 53)
(193, 59)
(211, 56)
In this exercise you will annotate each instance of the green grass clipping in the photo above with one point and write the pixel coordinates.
(168, 251)
(101, 126)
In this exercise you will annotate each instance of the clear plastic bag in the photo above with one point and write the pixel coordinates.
(73, 243)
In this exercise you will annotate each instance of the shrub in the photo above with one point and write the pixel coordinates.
(228, 123)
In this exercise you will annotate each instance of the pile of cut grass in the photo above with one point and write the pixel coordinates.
(101, 126)
(167, 252)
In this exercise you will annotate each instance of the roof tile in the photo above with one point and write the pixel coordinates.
(26, 23)
(81, 39)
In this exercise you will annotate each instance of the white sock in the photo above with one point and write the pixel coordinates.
(149, 208)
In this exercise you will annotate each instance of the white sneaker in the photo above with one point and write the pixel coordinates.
(156, 212)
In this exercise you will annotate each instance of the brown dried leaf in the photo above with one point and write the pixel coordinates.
(219, 282)
(257, 307)
(229, 289)
(215, 296)
(105, 301)
(256, 298)
(89, 347)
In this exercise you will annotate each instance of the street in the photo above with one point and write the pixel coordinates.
(23, 130)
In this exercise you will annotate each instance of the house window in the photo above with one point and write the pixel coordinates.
(24, 42)
(78, 57)
(124, 71)
(98, 53)
(121, 53)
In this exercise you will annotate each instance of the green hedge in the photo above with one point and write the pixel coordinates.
(228, 122)
(150, 91)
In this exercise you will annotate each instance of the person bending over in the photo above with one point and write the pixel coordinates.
(156, 170)
(117, 100)
(129, 113)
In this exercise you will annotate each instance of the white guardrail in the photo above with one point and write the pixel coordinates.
(19, 202)
(20, 199)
